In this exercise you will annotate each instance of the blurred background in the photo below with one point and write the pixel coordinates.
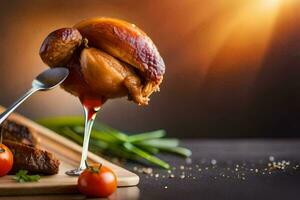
(233, 66)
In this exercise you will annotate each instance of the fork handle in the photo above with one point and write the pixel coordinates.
(12, 107)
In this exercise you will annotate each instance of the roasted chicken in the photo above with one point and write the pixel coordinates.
(107, 58)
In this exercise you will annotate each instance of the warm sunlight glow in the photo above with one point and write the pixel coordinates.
(240, 34)
(270, 4)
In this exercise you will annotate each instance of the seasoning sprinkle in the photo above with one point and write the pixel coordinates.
(213, 162)
(147, 170)
(271, 158)
(211, 169)
(188, 160)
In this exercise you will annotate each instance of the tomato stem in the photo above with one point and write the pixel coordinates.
(86, 164)
(100, 165)
(93, 169)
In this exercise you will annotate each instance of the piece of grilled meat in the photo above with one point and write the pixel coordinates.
(34, 160)
(15, 132)
(22, 141)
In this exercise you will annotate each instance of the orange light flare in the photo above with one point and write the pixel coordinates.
(239, 34)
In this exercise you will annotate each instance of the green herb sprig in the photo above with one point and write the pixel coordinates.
(22, 176)
(107, 140)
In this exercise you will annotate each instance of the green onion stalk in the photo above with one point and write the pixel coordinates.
(142, 147)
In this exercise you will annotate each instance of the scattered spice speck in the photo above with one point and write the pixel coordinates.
(213, 161)
(147, 170)
(188, 160)
(224, 170)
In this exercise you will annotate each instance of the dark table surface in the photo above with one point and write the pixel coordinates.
(220, 169)
(231, 169)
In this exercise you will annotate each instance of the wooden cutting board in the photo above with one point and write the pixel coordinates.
(69, 154)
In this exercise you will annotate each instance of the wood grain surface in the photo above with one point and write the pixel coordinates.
(69, 155)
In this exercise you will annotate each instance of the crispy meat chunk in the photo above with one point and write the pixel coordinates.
(34, 160)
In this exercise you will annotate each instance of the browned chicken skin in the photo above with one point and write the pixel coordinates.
(57, 52)
(110, 58)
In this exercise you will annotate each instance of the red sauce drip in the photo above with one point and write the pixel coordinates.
(76, 85)
(92, 105)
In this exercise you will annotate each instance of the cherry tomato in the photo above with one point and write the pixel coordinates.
(6, 160)
(97, 181)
